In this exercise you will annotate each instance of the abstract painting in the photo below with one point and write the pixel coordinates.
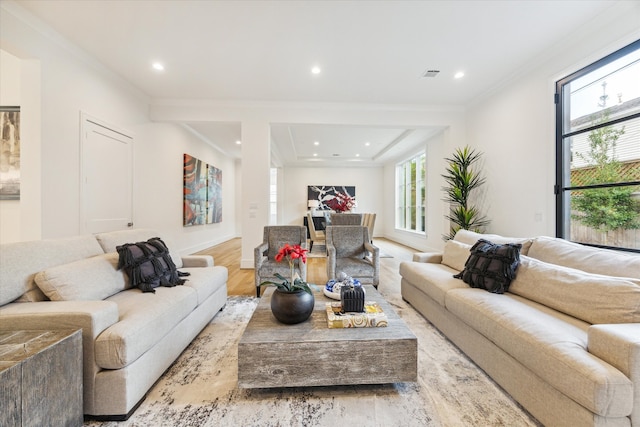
(195, 191)
(202, 192)
(325, 193)
(214, 195)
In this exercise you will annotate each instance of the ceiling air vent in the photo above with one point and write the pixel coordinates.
(430, 73)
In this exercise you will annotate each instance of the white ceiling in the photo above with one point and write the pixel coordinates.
(369, 52)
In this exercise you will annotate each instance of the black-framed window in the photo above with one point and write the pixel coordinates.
(598, 152)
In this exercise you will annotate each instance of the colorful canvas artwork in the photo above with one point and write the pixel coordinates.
(202, 190)
(214, 195)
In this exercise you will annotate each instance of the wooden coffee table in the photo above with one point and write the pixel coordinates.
(271, 354)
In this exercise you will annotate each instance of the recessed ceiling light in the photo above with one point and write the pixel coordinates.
(367, 144)
(238, 142)
(315, 154)
(357, 155)
(458, 75)
(157, 66)
(315, 70)
(316, 143)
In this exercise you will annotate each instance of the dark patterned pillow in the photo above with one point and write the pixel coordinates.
(148, 265)
(491, 266)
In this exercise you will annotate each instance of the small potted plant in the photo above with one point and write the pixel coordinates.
(292, 301)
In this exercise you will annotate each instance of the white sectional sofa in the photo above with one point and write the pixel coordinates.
(129, 337)
(564, 340)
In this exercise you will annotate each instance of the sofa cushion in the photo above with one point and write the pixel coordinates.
(144, 319)
(21, 261)
(94, 278)
(550, 344)
(111, 240)
(590, 297)
(148, 265)
(491, 266)
(455, 254)
(470, 237)
(434, 280)
(206, 281)
(592, 260)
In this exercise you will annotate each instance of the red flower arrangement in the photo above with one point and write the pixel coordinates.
(290, 253)
(342, 202)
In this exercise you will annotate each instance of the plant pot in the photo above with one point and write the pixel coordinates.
(292, 307)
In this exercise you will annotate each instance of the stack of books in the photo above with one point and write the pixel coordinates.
(372, 317)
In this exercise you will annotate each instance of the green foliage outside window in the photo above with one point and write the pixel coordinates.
(611, 208)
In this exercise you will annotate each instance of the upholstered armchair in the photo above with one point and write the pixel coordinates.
(274, 238)
(349, 250)
(346, 219)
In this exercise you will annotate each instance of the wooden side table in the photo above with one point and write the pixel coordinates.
(41, 378)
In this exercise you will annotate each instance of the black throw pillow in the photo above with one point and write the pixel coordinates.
(148, 265)
(491, 266)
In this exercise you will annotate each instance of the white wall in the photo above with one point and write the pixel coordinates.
(436, 148)
(515, 126)
(71, 84)
(158, 187)
(9, 96)
(368, 183)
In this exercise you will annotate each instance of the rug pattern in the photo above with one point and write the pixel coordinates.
(200, 388)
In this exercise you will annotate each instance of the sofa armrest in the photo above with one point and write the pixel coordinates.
(197, 261)
(92, 317)
(617, 344)
(430, 257)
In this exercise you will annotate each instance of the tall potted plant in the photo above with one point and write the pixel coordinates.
(462, 179)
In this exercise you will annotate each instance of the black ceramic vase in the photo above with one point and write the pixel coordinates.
(292, 307)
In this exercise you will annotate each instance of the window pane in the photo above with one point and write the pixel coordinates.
(410, 194)
(612, 88)
(606, 216)
(605, 155)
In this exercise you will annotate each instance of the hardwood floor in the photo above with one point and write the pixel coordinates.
(241, 281)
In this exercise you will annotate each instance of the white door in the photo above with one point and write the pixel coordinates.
(106, 178)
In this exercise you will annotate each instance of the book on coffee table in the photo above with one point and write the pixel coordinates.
(372, 317)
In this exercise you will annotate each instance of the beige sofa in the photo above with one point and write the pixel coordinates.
(129, 337)
(564, 341)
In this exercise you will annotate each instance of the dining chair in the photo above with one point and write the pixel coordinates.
(346, 219)
(314, 235)
(369, 221)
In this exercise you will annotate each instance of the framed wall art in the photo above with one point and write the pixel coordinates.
(10, 153)
(202, 192)
(331, 196)
(214, 195)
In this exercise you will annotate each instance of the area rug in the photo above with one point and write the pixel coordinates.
(200, 388)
